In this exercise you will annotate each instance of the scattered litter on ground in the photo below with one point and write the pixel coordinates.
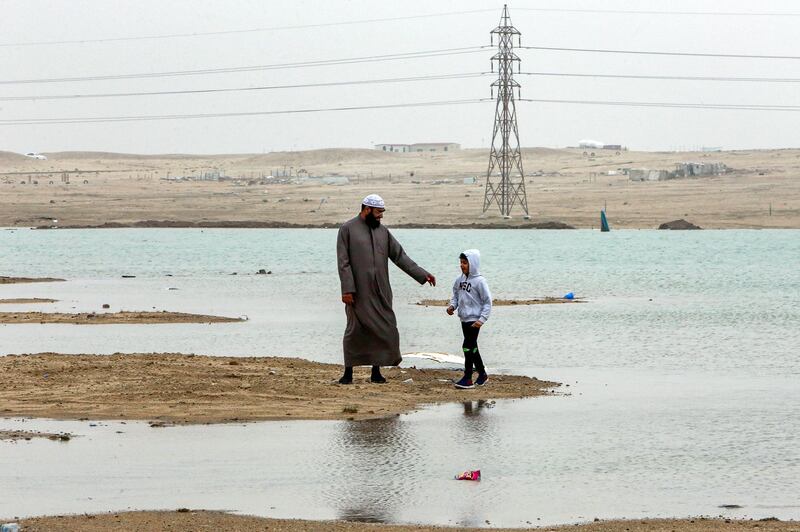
(469, 475)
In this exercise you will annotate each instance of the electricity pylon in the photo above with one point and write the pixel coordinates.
(507, 187)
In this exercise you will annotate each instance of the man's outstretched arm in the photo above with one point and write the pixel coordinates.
(404, 262)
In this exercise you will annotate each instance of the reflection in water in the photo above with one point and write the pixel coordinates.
(375, 461)
(477, 424)
(473, 408)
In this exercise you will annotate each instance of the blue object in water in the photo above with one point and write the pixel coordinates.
(604, 222)
(569, 295)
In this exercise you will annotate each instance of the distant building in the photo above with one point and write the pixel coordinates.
(600, 145)
(589, 143)
(396, 148)
(419, 147)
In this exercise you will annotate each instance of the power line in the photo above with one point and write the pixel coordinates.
(684, 78)
(251, 30)
(681, 105)
(645, 12)
(278, 66)
(89, 120)
(245, 89)
(643, 52)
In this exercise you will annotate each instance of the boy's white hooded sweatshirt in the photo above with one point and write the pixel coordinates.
(471, 296)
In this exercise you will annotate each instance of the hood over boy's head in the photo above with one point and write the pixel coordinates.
(473, 258)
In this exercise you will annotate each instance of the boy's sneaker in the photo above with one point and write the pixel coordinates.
(482, 379)
(465, 383)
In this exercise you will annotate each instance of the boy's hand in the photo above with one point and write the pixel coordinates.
(477, 324)
(431, 280)
(348, 298)
(450, 310)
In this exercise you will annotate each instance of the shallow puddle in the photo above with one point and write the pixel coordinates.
(622, 445)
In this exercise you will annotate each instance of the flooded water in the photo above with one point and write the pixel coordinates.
(682, 370)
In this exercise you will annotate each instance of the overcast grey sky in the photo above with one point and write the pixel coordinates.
(541, 124)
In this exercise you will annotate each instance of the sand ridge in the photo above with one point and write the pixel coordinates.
(108, 318)
(26, 300)
(19, 280)
(177, 388)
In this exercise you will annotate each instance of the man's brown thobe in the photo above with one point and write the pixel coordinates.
(371, 337)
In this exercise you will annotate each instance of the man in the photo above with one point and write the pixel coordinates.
(364, 248)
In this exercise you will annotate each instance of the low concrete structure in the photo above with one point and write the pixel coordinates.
(685, 169)
(646, 174)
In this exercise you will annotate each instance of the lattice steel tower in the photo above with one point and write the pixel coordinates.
(506, 189)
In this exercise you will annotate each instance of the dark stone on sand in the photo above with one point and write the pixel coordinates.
(679, 225)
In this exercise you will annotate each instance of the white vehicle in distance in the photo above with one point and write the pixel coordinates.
(38, 156)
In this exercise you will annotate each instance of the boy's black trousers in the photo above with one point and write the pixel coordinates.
(472, 357)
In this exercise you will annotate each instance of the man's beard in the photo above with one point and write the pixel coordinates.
(372, 222)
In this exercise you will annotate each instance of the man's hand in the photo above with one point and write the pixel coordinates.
(349, 298)
(450, 310)
(431, 280)
(477, 324)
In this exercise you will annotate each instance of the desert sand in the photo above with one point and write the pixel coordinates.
(107, 318)
(563, 185)
(176, 388)
(185, 519)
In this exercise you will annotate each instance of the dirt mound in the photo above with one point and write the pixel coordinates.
(11, 156)
(681, 225)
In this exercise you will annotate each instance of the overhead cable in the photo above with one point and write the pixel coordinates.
(88, 120)
(642, 76)
(253, 68)
(682, 105)
(244, 89)
(243, 31)
(650, 52)
(646, 12)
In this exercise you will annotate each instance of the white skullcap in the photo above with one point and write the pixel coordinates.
(373, 200)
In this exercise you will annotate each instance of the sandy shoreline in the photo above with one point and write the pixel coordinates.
(177, 388)
(109, 318)
(198, 520)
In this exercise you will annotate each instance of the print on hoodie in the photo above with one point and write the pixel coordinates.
(471, 296)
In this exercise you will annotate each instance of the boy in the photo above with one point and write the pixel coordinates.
(472, 299)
